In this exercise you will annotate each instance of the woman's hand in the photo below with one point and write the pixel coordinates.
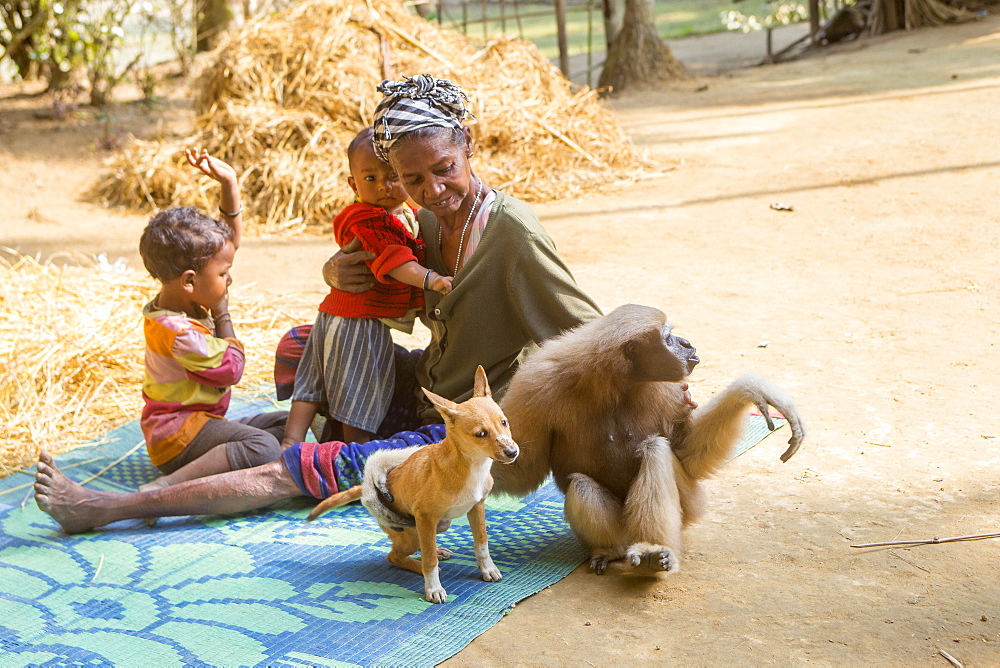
(213, 167)
(347, 271)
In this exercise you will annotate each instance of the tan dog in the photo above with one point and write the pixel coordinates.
(414, 493)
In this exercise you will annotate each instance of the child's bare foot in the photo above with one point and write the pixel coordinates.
(76, 508)
(159, 483)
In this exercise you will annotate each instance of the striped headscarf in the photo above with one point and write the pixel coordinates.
(418, 102)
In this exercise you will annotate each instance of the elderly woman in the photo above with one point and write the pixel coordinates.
(510, 292)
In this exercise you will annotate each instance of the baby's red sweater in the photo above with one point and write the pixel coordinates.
(386, 236)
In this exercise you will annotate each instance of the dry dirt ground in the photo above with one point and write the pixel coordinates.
(878, 296)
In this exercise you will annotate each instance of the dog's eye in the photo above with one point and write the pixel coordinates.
(503, 422)
(482, 433)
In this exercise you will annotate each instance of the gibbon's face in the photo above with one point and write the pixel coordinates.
(681, 348)
(662, 357)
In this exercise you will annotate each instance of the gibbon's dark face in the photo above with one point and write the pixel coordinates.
(659, 356)
(681, 348)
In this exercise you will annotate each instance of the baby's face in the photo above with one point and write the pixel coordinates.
(374, 181)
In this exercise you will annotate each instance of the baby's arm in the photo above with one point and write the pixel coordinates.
(229, 202)
(415, 274)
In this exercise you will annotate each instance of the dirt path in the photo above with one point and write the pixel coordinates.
(878, 297)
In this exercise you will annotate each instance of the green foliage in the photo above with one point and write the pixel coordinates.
(70, 34)
(780, 14)
(36, 33)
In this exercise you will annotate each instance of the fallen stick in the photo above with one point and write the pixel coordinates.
(932, 541)
(569, 142)
(952, 660)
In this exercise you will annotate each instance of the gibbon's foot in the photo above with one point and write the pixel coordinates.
(76, 508)
(599, 561)
(651, 560)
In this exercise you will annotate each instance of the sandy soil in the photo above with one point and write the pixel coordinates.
(878, 299)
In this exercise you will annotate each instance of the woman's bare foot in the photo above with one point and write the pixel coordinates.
(76, 508)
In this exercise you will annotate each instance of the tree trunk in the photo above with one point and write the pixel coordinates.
(638, 56)
(889, 15)
(612, 24)
(213, 17)
(22, 30)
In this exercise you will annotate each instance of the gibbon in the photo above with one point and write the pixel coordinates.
(603, 407)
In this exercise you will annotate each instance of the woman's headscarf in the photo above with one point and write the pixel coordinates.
(418, 102)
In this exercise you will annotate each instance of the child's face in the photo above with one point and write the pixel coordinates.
(374, 181)
(213, 280)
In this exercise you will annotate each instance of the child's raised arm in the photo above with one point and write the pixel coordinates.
(229, 202)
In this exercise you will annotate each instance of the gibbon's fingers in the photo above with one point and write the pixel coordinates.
(765, 410)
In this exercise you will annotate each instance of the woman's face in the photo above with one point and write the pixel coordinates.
(435, 172)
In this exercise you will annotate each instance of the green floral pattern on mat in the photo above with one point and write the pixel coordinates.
(265, 588)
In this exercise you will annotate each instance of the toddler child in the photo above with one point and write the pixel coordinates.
(192, 355)
(347, 366)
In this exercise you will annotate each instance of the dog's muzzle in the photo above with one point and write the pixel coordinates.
(507, 450)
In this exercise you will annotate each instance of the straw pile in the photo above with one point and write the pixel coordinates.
(288, 92)
(71, 351)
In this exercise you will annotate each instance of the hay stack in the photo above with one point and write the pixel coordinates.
(71, 350)
(289, 91)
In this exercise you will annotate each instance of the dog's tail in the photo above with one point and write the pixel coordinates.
(335, 501)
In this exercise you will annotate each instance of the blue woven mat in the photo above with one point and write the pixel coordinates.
(263, 588)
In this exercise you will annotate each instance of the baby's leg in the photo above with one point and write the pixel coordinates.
(357, 374)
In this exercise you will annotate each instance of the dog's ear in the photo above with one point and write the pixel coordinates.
(482, 386)
(447, 409)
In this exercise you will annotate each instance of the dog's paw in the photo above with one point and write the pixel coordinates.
(651, 560)
(490, 572)
(444, 553)
(435, 594)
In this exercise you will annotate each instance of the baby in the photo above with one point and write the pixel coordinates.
(348, 365)
(192, 355)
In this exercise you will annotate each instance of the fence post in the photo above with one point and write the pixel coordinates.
(813, 20)
(561, 33)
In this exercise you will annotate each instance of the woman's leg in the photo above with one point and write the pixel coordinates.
(78, 509)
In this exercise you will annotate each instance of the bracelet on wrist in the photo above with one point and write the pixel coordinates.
(231, 215)
(222, 316)
(426, 277)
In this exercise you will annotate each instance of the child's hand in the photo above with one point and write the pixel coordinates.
(441, 284)
(217, 169)
(222, 307)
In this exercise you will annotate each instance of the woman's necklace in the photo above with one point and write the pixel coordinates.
(461, 240)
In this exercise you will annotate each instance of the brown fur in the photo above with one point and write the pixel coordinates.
(426, 487)
(628, 453)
